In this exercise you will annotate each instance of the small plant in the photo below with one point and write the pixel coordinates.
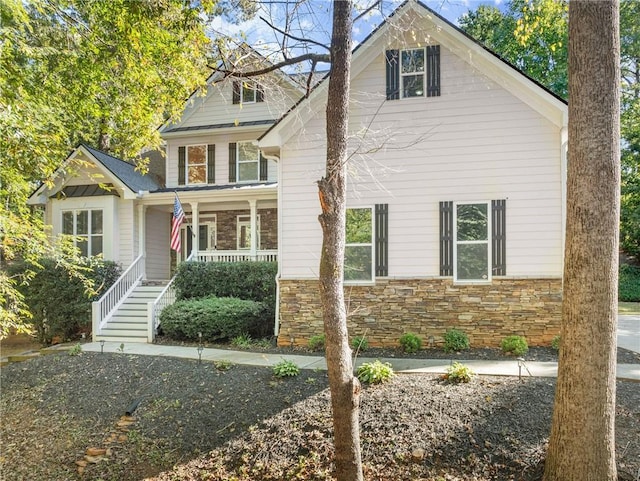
(360, 343)
(75, 350)
(375, 372)
(555, 343)
(243, 340)
(222, 365)
(410, 342)
(515, 345)
(120, 349)
(316, 343)
(457, 373)
(286, 368)
(455, 340)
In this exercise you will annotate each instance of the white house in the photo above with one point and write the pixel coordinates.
(456, 194)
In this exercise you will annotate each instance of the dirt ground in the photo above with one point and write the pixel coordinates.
(197, 421)
(17, 344)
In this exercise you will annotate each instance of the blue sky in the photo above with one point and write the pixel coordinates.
(313, 19)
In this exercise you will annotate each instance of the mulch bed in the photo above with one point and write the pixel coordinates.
(196, 422)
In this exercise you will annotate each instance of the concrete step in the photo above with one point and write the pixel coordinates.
(107, 331)
(128, 311)
(126, 324)
(122, 339)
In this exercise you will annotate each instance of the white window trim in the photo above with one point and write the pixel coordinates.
(456, 243)
(424, 74)
(250, 86)
(187, 164)
(362, 244)
(240, 223)
(210, 220)
(89, 236)
(239, 162)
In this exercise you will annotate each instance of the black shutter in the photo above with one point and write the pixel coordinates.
(211, 164)
(259, 93)
(498, 237)
(446, 238)
(393, 74)
(232, 162)
(264, 168)
(181, 165)
(236, 91)
(382, 240)
(433, 71)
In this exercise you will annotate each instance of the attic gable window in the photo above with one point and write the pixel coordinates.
(413, 72)
(245, 92)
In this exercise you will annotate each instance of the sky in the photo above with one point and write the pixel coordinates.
(313, 19)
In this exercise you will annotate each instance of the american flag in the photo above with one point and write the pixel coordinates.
(178, 218)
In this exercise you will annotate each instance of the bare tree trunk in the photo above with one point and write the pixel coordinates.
(345, 388)
(582, 443)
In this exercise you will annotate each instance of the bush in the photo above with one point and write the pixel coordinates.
(516, 345)
(455, 340)
(317, 342)
(375, 372)
(286, 369)
(359, 343)
(59, 300)
(217, 318)
(555, 342)
(629, 283)
(410, 342)
(457, 373)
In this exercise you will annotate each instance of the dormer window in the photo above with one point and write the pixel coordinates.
(246, 92)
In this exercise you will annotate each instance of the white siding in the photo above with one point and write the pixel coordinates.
(158, 233)
(475, 142)
(128, 235)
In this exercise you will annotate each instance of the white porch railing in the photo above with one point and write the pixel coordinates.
(236, 256)
(117, 293)
(164, 299)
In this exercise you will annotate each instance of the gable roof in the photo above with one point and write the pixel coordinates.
(123, 174)
(445, 32)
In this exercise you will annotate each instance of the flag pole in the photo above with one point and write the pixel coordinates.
(189, 224)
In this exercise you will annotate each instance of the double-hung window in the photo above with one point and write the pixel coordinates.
(472, 253)
(243, 234)
(248, 162)
(197, 164)
(359, 248)
(246, 92)
(87, 228)
(412, 72)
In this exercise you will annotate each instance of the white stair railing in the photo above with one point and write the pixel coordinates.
(117, 293)
(154, 308)
(236, 256)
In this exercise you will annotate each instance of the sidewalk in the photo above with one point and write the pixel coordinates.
(628, 372)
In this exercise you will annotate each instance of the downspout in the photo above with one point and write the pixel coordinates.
(563, 175)
(276, 159)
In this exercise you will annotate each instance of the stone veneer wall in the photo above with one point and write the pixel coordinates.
(428, 307)
(226, 223)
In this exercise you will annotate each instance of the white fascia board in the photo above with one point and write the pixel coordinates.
(223, 130)
(166, 198)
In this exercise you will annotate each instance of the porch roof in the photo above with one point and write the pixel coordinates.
(207, 188)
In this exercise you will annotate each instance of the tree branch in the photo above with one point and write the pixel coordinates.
(293, 37)
(371, 7)
(313, 57)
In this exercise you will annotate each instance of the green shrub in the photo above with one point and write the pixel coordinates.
(457, 373)
(243, 340)
(286, 368)
(317, 342)
(455, 340)
(359, 343)
(629, 283)
(59, 300)
(516, 345)
(555, 342)
(217, 318)
(410, 342)
(375, 372)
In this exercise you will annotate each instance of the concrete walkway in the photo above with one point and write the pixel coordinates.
(629, 332)
(630, 372)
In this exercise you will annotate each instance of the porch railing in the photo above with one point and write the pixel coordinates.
(117, 293)
(154, 308)
(236, 256)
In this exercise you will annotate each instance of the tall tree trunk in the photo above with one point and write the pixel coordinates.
(582, 443)
(345, 388)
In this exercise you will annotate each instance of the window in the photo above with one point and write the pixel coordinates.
(207, 240)
(248, 162)
(412, 72)
(243, 237)
(472, 258)
(86, 226)
(358, 253)
(196, 164)
(246, 92)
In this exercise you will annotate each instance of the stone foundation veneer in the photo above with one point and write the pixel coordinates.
(428, 307)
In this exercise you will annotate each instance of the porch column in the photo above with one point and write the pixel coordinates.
(142, 233)
(254, 228)
(195, 223)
